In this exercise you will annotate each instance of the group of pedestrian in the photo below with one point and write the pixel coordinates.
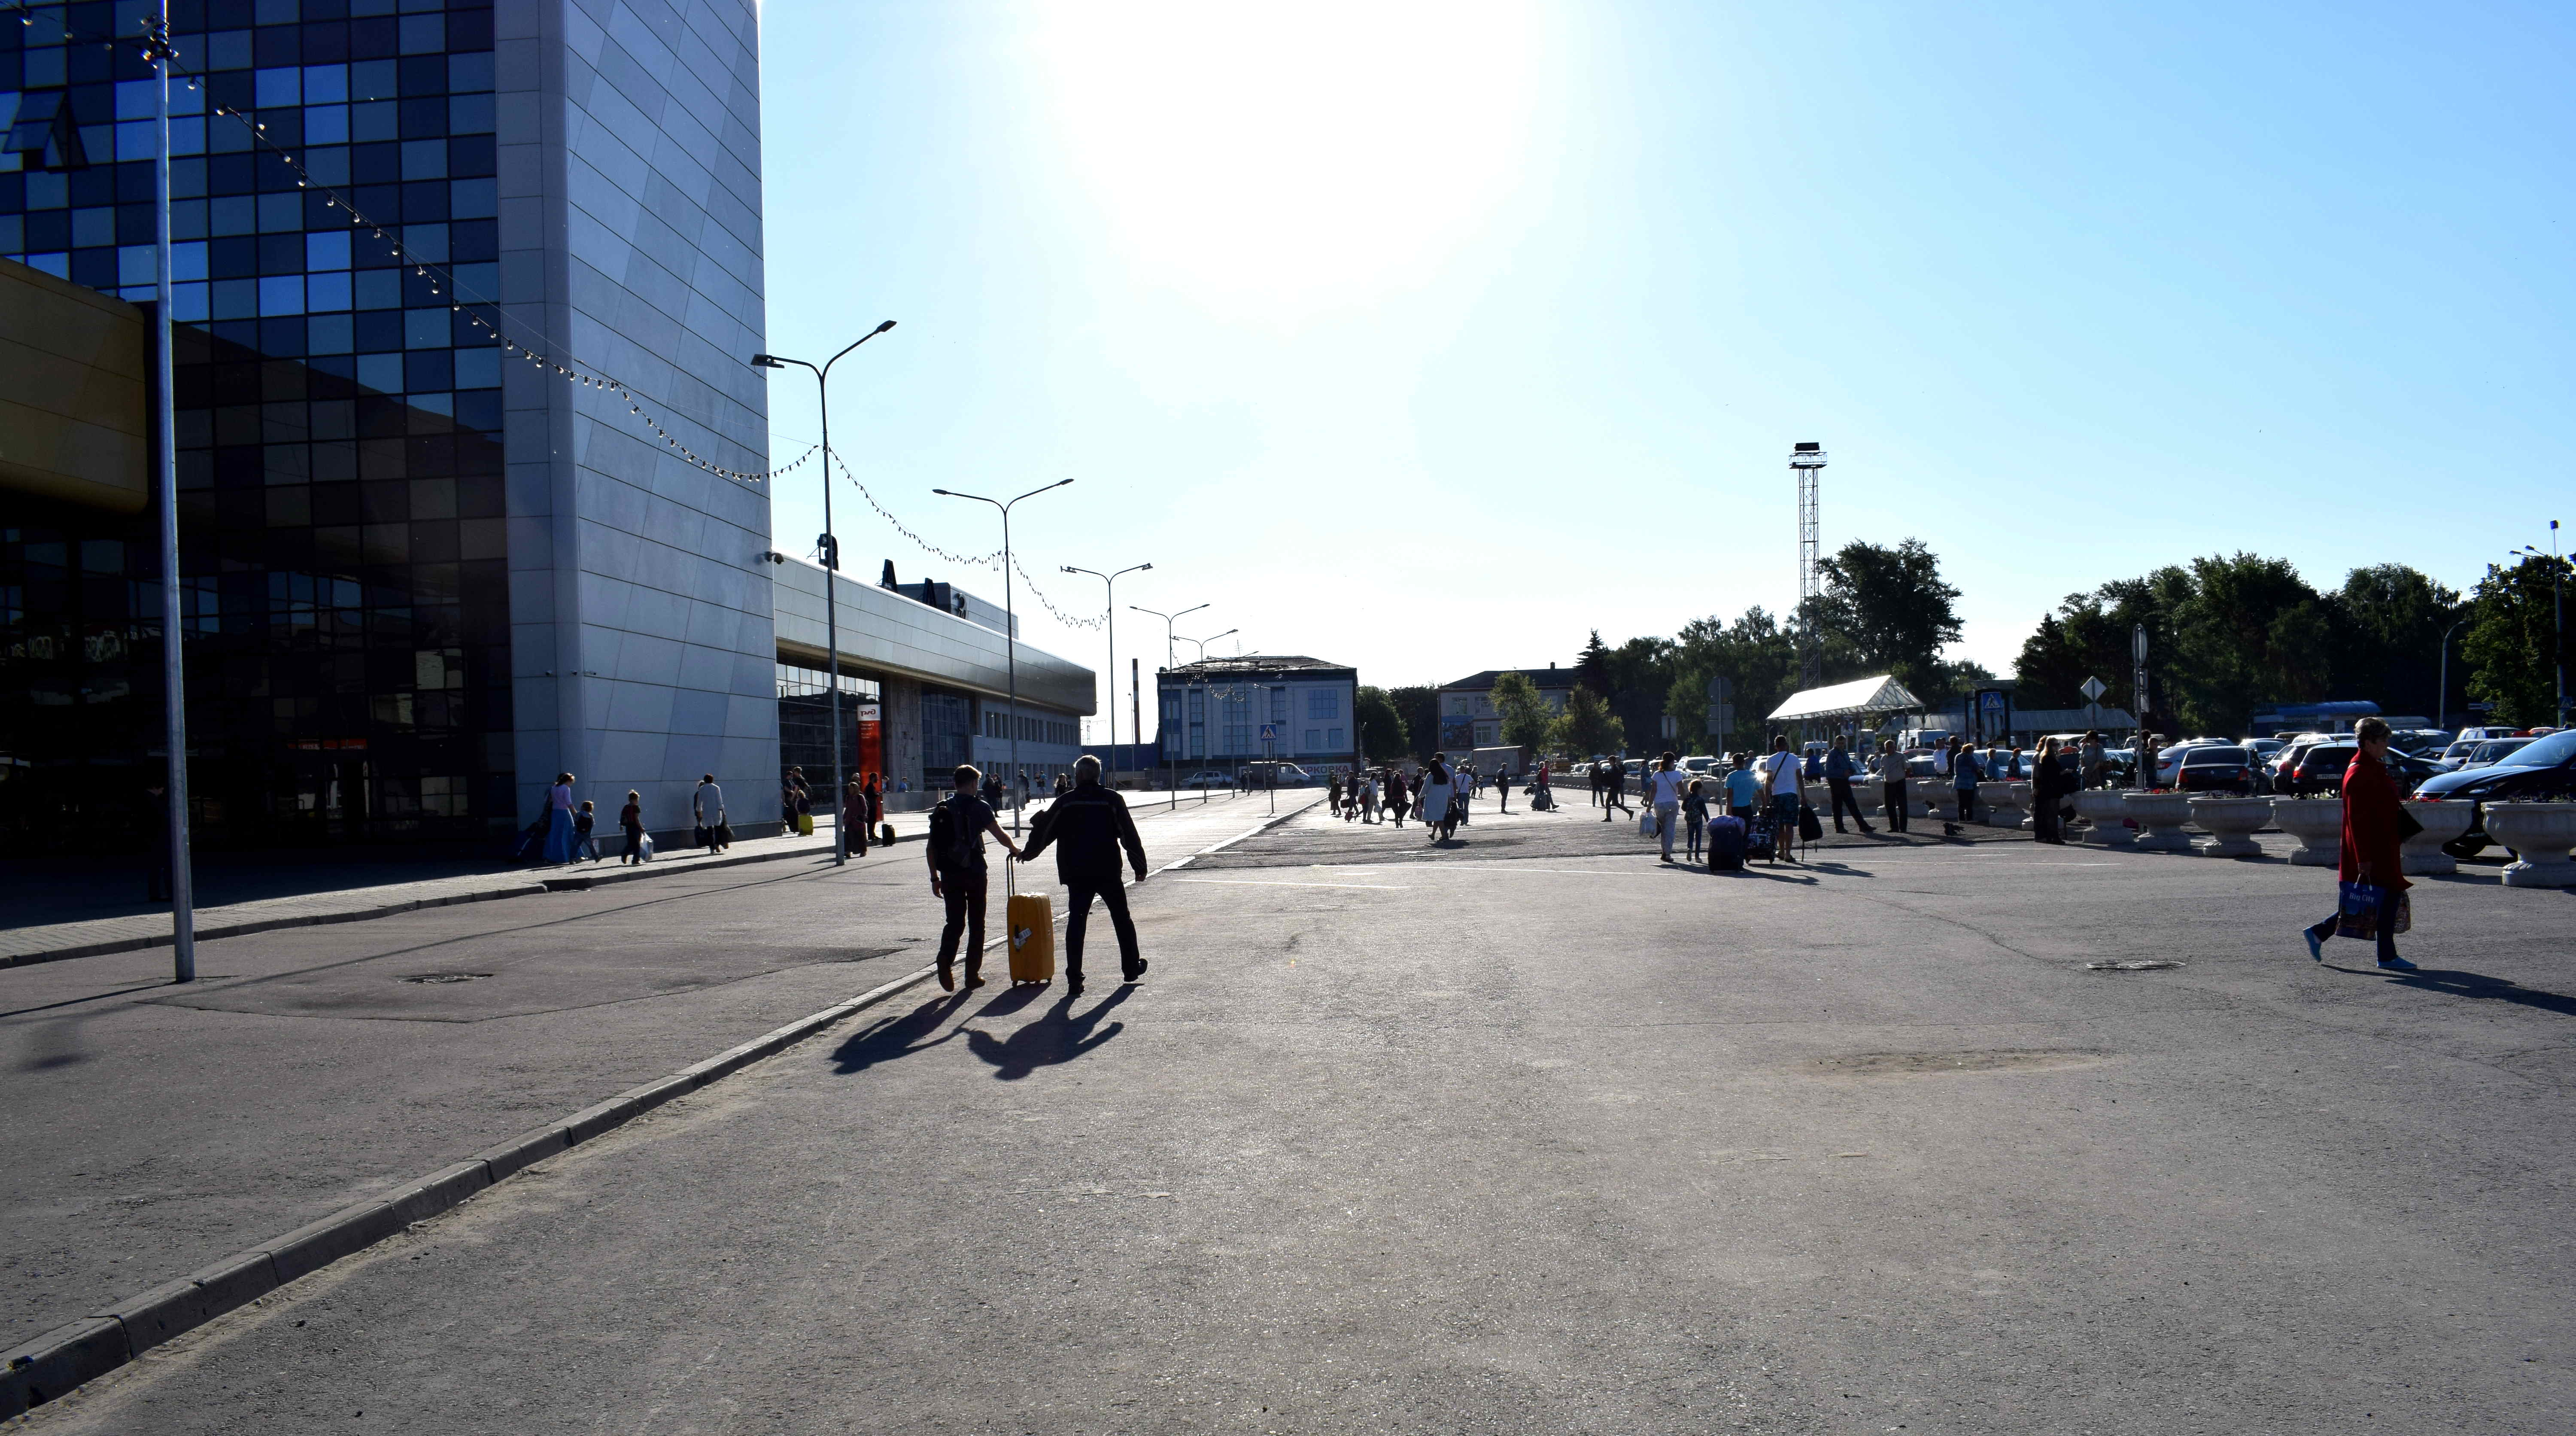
(1089, 827)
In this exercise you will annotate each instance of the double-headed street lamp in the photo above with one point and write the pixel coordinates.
(1111, 579)
(1010, 622)
(1171, 659)
(831, 548)
(1202, 646)
(2557, 620)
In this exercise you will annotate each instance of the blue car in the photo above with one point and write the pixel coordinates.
(2544, 768)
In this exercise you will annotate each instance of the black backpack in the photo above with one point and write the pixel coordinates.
(956, 849)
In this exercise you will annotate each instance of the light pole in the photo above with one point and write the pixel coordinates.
(2442, 683)
(1202, 646)
(831, 547)
(1010, 621)
(174, 689)
(2557, 622)
(1111, 579)
(1171, 765)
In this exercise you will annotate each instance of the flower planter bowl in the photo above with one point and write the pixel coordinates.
(2022, 796)
(2422, 855)
(2161, 818)
(2108, 815)
(2540, 835)
(2231, 823)
(2318, 825)
(1926, 794)
(2004, 803)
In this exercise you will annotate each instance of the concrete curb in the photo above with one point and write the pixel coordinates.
(534, 888)
(82, 1350)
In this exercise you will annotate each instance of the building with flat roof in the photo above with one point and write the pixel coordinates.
(1213, 713)
(1468, 718)
(471, 461)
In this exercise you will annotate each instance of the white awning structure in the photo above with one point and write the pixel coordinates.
(1860, 698)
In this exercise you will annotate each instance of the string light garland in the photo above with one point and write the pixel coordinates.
(155, 47)
(991, 560)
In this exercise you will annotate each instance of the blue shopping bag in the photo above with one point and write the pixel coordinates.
(2357, 913)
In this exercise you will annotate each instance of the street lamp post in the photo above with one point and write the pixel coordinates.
(174, 690)
(1010, 620)
(1172, 773)
(1111, 579)
(2442, 682)
(831, 547)
(1202, 647)
(2557, 621)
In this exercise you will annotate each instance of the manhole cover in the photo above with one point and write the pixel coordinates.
(435, 977)
(2133, 964)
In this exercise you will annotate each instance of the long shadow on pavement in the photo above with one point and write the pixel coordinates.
(2477, 984)
(897, 1036)
(1058, 1037)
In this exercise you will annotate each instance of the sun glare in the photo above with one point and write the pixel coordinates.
(1270, 161)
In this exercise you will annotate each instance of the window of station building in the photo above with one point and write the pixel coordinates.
(1323, 703)
(795, 680)
(342, 510)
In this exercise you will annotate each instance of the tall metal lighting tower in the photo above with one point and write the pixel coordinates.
(1807, 461)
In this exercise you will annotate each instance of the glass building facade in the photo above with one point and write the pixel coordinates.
(420, 575)
(338, 427)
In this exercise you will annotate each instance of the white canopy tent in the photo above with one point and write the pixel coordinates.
(1860, 698)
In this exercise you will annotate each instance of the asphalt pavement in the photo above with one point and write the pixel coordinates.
(1528, 1132)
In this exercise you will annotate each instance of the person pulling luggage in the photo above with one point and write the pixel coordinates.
(1088, 827)
(955, 852)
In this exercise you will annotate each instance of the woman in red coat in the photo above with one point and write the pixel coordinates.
(2370, 841)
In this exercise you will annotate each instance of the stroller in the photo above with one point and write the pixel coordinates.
(1762, 836)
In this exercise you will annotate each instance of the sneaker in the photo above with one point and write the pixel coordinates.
(2316, 945)
(2398, 964)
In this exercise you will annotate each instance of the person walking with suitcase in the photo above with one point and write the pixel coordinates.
(2370, 868)
(853, 816)
(955, 853)
(1838, 776)
(1089, 826)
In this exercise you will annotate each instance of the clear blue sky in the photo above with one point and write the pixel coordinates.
(1430, 339)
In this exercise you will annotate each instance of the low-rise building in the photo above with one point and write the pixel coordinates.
(1468, 718)
(1214, 712)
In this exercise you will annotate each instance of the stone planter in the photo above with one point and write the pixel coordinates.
(1925, 794)
(2108, 816)
(2231, 823)
(2161, 818)
(2004, 803)
(2422, 856)
(2022, 799)
(2540, 835)
(2318, 825)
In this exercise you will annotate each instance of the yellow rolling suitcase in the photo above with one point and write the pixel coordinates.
(1029, 924)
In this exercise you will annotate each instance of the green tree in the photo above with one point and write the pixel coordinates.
(2386, 632)
(1891, 608)
(1757, 653)
(1525, 714)
(1382, 731)
(2510, 639)
(1587, 727)
(1592, 666)
(2252, 633)
(1418, 707)
(2089, 637)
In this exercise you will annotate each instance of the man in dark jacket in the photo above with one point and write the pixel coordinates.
(1838, 779)
(1088, 826)
(956, 854)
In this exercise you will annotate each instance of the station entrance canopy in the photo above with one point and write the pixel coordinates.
(1860, 698)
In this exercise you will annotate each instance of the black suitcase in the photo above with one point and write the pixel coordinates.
(1726, 842)
(1762, 840)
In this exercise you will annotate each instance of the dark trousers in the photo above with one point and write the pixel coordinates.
(2387, 924)
(1967, 803)
(1843, 798)
(965, 898)
(1895, 806)
(1078, 893)
(634, 847)
(2043, 819)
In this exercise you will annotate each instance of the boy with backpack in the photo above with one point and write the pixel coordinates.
(956, 855)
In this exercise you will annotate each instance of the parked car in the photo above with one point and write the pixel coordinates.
(2493, 750)
(2422, 742)
(1208, 778)
(2544, 768)
(2169, 759)
(2321, 768)
(2217, 768)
